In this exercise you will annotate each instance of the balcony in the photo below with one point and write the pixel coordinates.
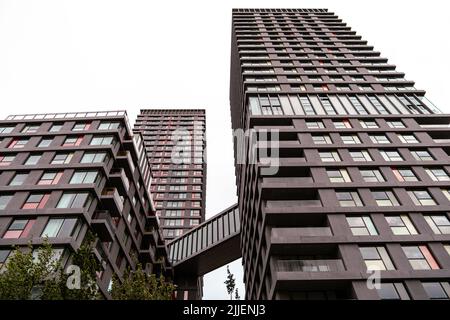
(331, 265)
(120, 180)
(112, 201)
(103, 225)
(125, 160)
(294, 233)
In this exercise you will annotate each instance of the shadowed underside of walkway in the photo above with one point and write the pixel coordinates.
(210, 245)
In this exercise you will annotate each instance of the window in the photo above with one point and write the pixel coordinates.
(33, 160)
(56, 128)
(4, 254)
(437, 290)
(361, 155)
(194, 222)
(408, 138)
(376, 258)
(174, 213)
(438, 174)
(422, 155)
(30, 129)
(19, 228)
(344, 124)
(49, 178)
(379, 139)
(368, 124)
(175, 204)
(84, 177)
(36, 201)
(362, 226)
(446, 193)
(60, 228)
(18, 143)
(321, 139)
(404, 175)
(81, 126)
(109, 126)
(396, 124)
(5, 130)
(385, 198)
(44, 143)
(314, 125)
(18, 179)
(6, 160)
(438, 223)
(72, 141)
(94, 157)
(74, 200)
(420, 258)
(392, 291)
(338, 175)
(102, 141)
(391, 155)
(4, 200)
(421, 198)
(349, 199)
(329, 156)
(372, 175)
(401, 225)
(62, 158)
(350, 139)
(173, 222)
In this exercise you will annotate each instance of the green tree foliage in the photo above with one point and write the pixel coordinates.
(39, 275)
(230, 283)
(139, 285)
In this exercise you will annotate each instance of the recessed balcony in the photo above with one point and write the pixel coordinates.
(103, 225)
(112, 201)
(120, 180)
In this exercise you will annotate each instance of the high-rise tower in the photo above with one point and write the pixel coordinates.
(176, 145)
(362, 179)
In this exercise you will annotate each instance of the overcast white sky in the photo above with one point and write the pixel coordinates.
(104, 55)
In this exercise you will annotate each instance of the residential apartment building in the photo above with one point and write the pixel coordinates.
(363, 181)
(176, 146)
(64, 175)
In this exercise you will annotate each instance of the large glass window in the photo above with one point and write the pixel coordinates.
(362, 226)
(360, 155)
(438, 174)
(372, 175)
(404, 174)
(437, 290)
(392, 291)
(18, 179)
(385, 198)
(4, 201)
(36, 201)
(421, 198)
(33, 159)
(19, 228)
(329, 156)
(74, 200)
(94, 157)
(401, 225)
(338, 175)
(376, 258)
(84, 177)
(349, 199)
(60, 228)
(420, 257)
(62, 158)
(440, 224)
